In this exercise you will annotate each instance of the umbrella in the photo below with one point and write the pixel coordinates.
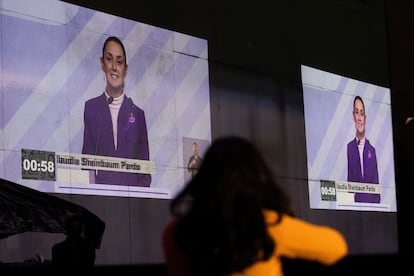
(23, 209)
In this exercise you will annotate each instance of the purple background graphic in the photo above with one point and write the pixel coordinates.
(52, 67)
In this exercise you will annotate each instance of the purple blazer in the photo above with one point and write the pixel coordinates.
(370, 169)
(132, 138)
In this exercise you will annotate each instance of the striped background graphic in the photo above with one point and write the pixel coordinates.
(328, 104)
(50, 66)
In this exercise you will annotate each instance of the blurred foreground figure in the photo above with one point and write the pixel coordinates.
(233, 219)
(75, 250)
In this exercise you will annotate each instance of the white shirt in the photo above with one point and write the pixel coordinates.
(114, 108)
(361, 144)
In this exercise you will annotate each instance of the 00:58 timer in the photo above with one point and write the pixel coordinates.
(38, 166)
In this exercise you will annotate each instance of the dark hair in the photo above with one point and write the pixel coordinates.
(117, 40)
(359, 98)
(221, 226)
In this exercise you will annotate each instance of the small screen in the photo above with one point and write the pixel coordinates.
(349, 143)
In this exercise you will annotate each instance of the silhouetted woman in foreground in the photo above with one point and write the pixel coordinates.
(233, 219)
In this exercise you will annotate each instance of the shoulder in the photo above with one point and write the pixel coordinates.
(351, 143)
(132, 106)
(369, 145)
(96, 100)
(138, 110)
(300, 238)
(293, 223)
(352, 147)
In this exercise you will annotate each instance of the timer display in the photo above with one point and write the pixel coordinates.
(38, 165)
(328, 190)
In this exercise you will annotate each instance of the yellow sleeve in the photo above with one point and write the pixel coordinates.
(296, 238)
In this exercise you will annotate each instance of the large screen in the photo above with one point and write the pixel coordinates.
(349, 143)
(52, 63)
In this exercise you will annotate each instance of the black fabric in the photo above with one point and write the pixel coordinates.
(23, 209)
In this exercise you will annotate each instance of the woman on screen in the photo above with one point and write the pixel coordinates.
(362, 159)
(113, 125)
(232, 217)
(194, 161)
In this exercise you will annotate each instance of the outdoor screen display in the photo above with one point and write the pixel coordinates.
(349, 142)
(51, 66)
